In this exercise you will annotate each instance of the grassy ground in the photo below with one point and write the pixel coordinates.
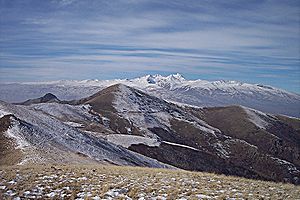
(111, 182)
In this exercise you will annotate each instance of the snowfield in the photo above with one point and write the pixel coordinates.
(128, 140)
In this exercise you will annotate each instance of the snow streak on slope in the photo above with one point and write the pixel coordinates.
(180, 145)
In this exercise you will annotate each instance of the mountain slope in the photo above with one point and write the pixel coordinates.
(47, 98)
(108, 125)
(172, 88)
(43, 138)
(191, 138)
(267, 132)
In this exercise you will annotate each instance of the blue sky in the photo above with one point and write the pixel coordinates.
(252, 41)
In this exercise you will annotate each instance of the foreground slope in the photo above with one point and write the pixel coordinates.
(110, 182)
(252, 144)
(172, 88)
(40, 138)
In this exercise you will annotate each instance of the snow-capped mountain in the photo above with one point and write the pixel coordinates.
(126, 126)
(173, 88)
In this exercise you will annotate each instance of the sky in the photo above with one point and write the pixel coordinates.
(254, 41)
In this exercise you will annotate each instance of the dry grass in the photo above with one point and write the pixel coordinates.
(112, 182)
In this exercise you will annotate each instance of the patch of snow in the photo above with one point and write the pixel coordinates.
(81, 194)
(115, 192)
(105, 121)
(255, 117)
(15, 133)
(183, 105)
(122, 104)
(3, 113)
(128, 140)
(222, 150)
(10, 193)
(51, 194)
(203, 126)
(2, 187)
(83, 178)
(128, 129)
(203, 196)
(162, 117)
(74, 124)
(12, 182)
(66, 112)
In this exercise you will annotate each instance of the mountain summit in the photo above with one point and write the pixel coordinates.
(47, 98)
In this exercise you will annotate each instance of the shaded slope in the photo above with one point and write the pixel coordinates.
(277, 138)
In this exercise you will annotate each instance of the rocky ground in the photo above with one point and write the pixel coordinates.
(111, 182)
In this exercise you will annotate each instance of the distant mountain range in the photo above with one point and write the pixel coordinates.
(123, 125)
(172, 88)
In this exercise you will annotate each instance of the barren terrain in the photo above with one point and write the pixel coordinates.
(113, 182)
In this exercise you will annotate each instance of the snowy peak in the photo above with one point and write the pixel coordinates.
(176, 77)
(160, 80)
(177, 81)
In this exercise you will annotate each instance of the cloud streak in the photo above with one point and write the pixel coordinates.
(254, 41)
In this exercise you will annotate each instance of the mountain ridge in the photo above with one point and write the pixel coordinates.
(174, 88)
